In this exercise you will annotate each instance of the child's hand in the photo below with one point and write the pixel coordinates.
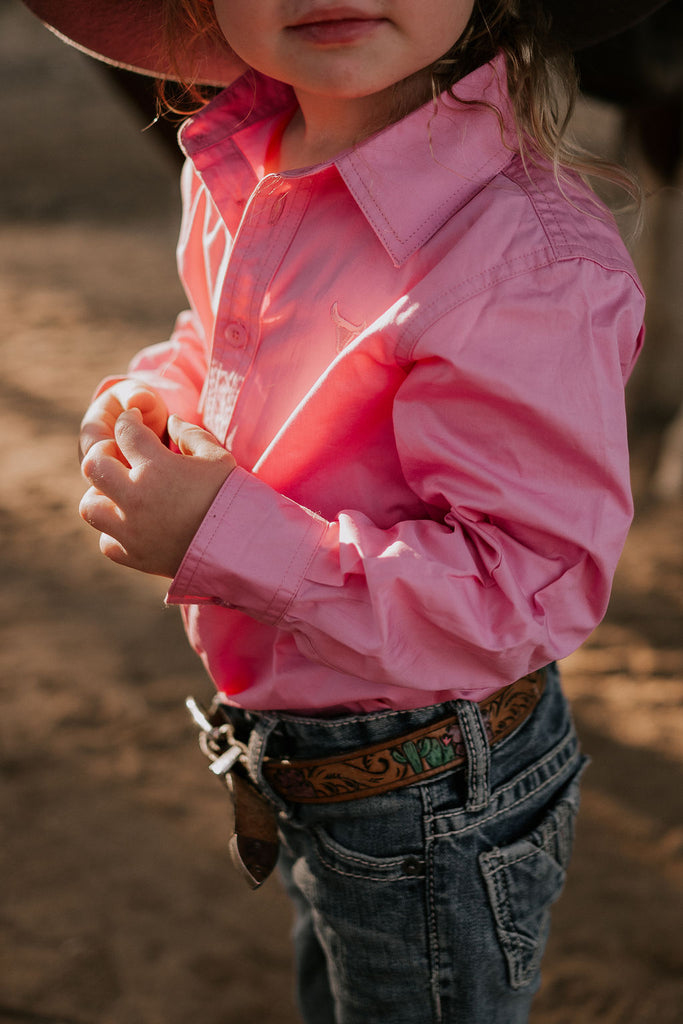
(100, 419)
(149, 510)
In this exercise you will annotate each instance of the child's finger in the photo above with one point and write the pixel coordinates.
(194, 440)
(114, 551)
(139, 396)
(137, 442)
(104, 469)
(151, 405)
(105, 448)
(98, 423)
(99, 511)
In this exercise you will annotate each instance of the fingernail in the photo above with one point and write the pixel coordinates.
(134, 411)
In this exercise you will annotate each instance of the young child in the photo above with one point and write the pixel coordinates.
(383, 460)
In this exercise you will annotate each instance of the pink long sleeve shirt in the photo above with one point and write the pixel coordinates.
(417, 355)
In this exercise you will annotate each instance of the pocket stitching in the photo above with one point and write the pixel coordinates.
(542, 840)
(508, 863)
(330, 852)
(518, 780)
(514, 944)
(508, 807)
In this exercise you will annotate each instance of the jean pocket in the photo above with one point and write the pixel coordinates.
(525, 878)
(344, 861)
(379, 839)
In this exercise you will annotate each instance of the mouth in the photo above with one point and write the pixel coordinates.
(335, 26)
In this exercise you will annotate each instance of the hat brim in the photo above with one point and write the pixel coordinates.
(126, 33)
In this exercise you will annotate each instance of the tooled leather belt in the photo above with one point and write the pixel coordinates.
(401, 761)
(405, 760)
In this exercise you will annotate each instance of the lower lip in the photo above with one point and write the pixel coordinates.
(336, 33)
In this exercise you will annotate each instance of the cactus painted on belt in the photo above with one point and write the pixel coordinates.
(428, 751)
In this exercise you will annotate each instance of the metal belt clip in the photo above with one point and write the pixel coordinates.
(254, 844)
(216, 741)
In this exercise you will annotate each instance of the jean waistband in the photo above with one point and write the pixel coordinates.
(299, 736)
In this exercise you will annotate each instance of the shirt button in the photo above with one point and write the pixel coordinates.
(235, 335)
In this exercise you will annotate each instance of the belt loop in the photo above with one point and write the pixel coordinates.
(256, 752)
(477, 752)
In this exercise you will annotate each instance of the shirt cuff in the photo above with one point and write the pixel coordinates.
(251, 551)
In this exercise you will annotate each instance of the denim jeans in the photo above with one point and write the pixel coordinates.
(429, 903)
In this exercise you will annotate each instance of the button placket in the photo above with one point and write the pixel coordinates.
(242, 292)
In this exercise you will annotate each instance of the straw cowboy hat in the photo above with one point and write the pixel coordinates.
(126, 33)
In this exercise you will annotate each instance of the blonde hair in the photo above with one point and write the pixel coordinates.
(542, 84)
(541, 75)
(185, 21)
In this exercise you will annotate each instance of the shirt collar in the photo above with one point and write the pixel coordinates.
(408, 179)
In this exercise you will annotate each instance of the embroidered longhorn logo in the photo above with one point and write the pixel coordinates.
(346, 331)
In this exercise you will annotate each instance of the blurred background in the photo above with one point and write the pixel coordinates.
(118, 902)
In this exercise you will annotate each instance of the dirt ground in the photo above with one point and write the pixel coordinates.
(118, 903)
